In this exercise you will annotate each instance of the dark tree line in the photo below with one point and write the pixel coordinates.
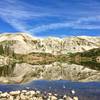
(6, 50)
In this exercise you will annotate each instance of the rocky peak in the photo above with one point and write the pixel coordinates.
(26, 43)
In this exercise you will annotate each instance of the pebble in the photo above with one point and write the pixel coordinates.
(12, 98)
(24, 91)
(75, 98)
(23, 97)
(4, 95)
(73, 91)
(33, 95)
(38, 92)
(14, 93)
(32, 92)
(68, 98)
(53, 98)
(50, 94)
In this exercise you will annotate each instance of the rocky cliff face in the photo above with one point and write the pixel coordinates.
(13, 71)
(22, 43)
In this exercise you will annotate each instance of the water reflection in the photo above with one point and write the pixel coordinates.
(89, 64)
(7, 70)
(49, 67)
(61, 71)
(24, 72)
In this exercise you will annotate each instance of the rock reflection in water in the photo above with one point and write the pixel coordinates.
(7, 70)
(23, 72)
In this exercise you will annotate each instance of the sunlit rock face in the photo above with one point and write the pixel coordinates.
(23, 43)
(14, 71)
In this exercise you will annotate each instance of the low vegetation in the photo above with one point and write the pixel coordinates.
(90, 58)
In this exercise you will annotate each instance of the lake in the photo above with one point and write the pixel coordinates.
(85, 91)
(57, 77)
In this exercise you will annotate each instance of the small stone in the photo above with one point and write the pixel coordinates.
(38, 92)
(4, 95)
(50, 94)
(23, 97)
(53, 98)
(11, 98)
(64, 96)
(32, 92)
(14, 93)
(17, 97)
(55, 94)
(75, 98)
(73, 91)
(27, 93)
(68, 98)
(34, 98)
(40, 98)
(24, 91)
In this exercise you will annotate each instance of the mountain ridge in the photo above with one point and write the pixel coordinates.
(21, 56)
(27, 43)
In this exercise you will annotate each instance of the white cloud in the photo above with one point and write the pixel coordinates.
(50, 26)
(78, 24)
(17, 13)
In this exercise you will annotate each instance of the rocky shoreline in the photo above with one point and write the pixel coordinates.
(34, 95)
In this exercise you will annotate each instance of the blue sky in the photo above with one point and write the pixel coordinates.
(51, 17)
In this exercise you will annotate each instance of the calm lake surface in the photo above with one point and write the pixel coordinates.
(85, 91)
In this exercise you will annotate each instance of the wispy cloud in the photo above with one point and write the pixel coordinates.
(82, 23)
(83, 15)
(16, 13)
(11, 15)
(50, 26)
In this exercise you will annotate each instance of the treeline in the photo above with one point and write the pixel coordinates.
(89, 53)
(90, 58)
(6, 49)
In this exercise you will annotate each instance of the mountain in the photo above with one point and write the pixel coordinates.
(23, 43)
(24, 58)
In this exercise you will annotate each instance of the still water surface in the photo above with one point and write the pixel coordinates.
(85, 91)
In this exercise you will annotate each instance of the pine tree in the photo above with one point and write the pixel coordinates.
(1, 50)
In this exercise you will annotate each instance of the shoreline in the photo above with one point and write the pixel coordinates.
(34, 95)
